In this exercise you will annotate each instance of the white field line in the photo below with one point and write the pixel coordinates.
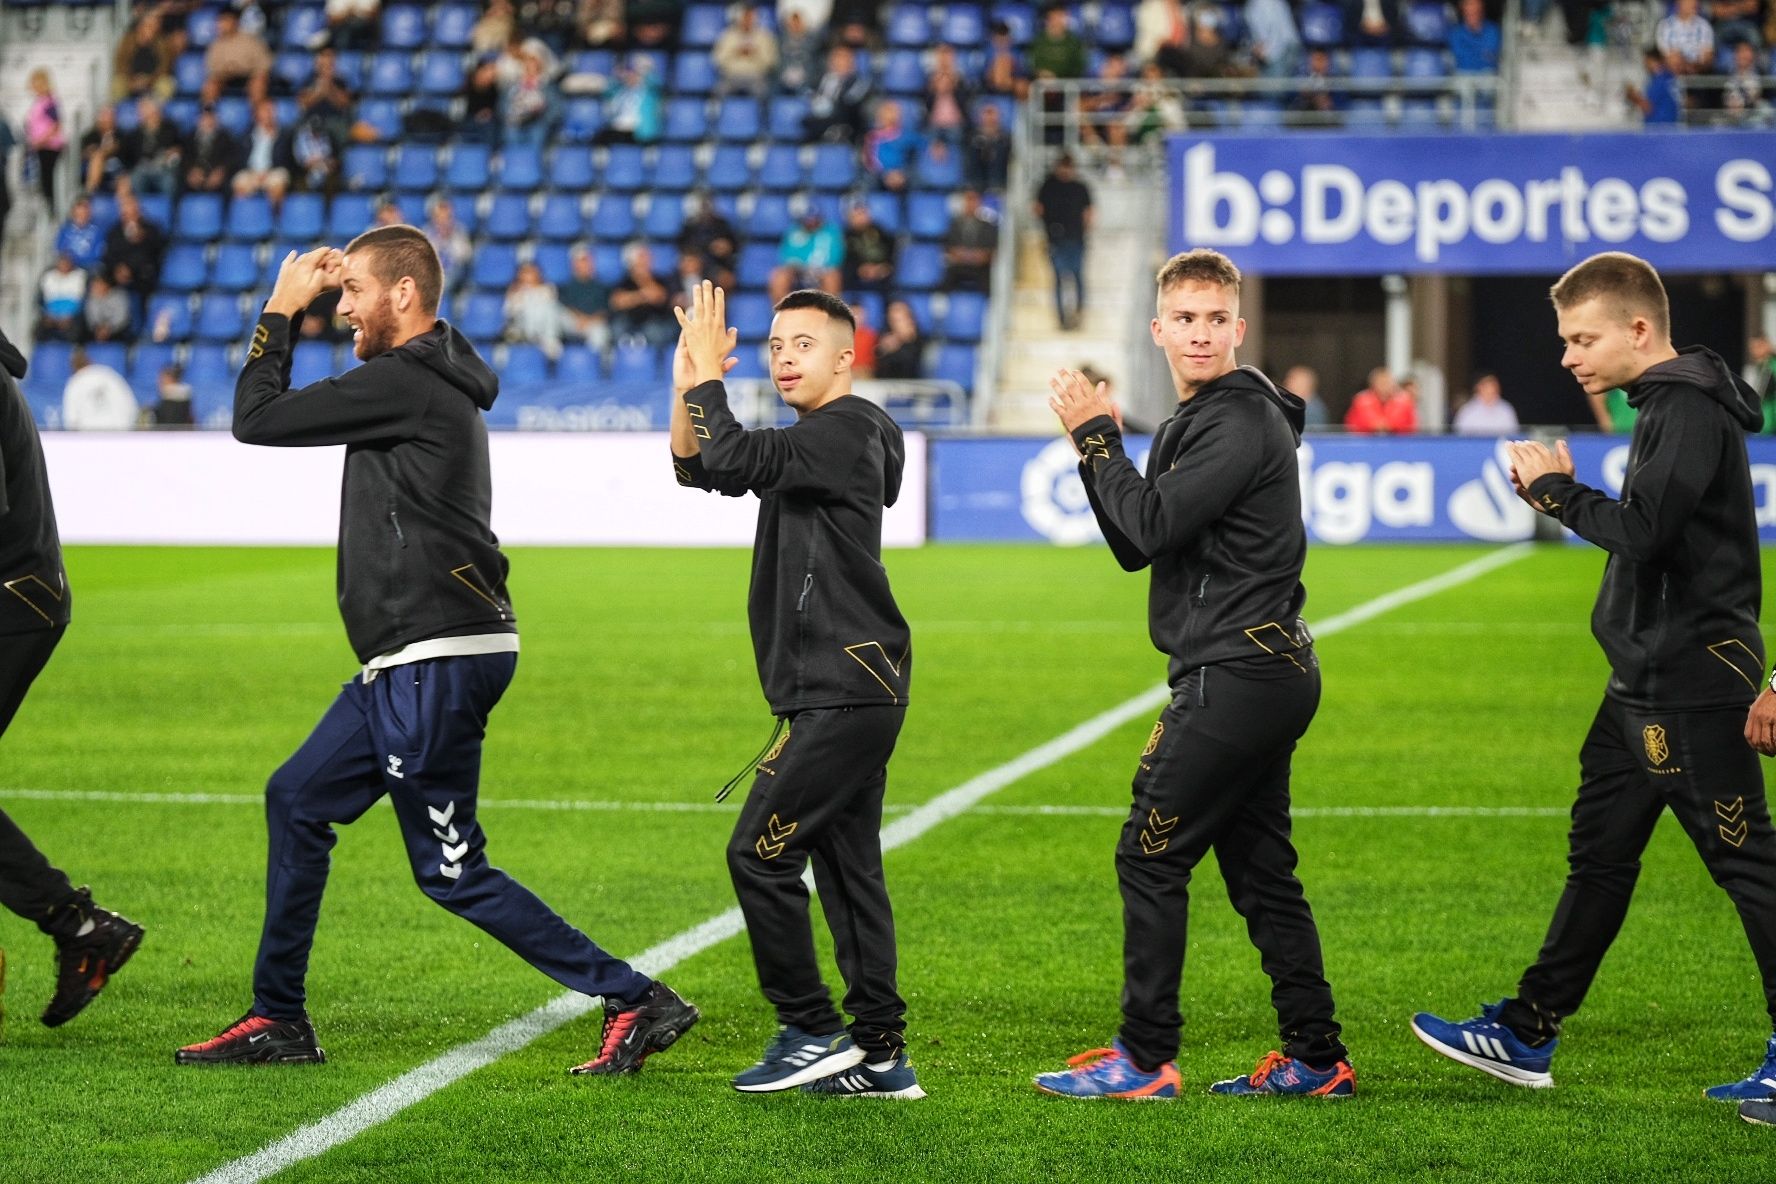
(384, 1102)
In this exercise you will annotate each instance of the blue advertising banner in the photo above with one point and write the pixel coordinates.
(1354, 489)
(1476, 204)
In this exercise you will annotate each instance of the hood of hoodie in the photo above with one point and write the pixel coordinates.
(11, 360)
(450, 355)
(1707, 371)
(1251, 380)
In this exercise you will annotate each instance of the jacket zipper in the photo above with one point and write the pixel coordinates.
(396, 522)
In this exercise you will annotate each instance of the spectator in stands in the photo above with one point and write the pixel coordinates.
(856, 23)
(586, 300)
(1208, 55)
(810, 256)
(1735, 21)
(900, 349)
(448, 238)
(745, 55)
(353, 24)
(96, 398)
(1162, 29)
(986, 157)
(213, 155)
(1486, 411)
(1384, 407)
(173, 408)
(969, 244)
(266, 163)
(1660, 99)
(707, 234)
(160, 150)
(528, 105)
(1156, 108)
(493, 31)
(653, 24)
(1272, 38)
(1474, 41)
(80, 238)
(1004, 72)
(635, 112)
(1320, 95)
(1056, 51)
(134, 248)
(641, 302)
(1686, 39)
(891, 150)
(1305, 382)
(236, 60)
(1104, 109)
(1371, 22)
(533, 311)
(836, 109)
(107, 153)
(600, 23)
(388, 213)
(1743, 96)
(481, 97)
(327, 95)
(61, 295)
(313, 156)
(948, 96)
(1064, 204)
(798, 53)
(863, 343)
(871, 253)
(143, 64)
(44, 137)
(107, 311)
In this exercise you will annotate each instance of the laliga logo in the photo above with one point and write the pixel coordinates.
(1053, 497)
(1489, 508)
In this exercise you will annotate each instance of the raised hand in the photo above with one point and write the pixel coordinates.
(1076, 400)
(705, 342)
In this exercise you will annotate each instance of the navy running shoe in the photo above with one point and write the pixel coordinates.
(894, 1079)
(1109, 1073)
(1759, 1087)
(795, 1057)
(1485, 1044)
(1758, 1113)
(1278, 1075)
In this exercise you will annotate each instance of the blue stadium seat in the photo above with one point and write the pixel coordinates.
(614, 219)
(1322, 25)
(602, 62)
(349, 216)
(750, 312)
(965, 317)
(769, 218)
(728, 170)
(403, 26)
(508, 217)
(146, 362)
(1261, 115)
(525, 365)
(635, 361)
(1006, 104)
(1020, 18)
(483, 315)
(104, 210)
(1371, 61)
(581, 118)
(495, 265)
(452, 24)
(469, 167)
(440, 73)
(928, 214)
(834, 167)
(364, 166)
(384, 115)
(1425, 63)
(607, 260)
(658, 61)
(199, 217)
(757, 262)
(831, 206)
(416, 168)
(349, 65)
(182, 113)
(909, 26)
(391, 74)
(869, 304)
(963, 28)
(693, 73)
(185, 268)
(737, 120)
(554, 261)
(236, 114)
(561, 219)
(303, 217)
(625, 168)
(302, 25)
(665, 216)
(236, 268)
(521, 168)
(209, 370)
(749, 362)
(686, 121)
(293, 68)
(781, 170)
(939, 172)
(675, 168)
(703, 23)
(1426, 24)
(311, 362)
(1366, 113)
(955, 363)
(219, 318)
(570, 168)
(158, 208)
(578, 364)
(786, 115)
(921, 266)
(114, 354)
(885, 210)
(50, 366)
(904, 73)
(1419, 114)
(1115, 28)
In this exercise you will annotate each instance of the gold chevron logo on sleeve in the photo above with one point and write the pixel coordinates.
(770, 844)
(261, 335)
(17, 588)
(683, 474)
(1735, 836)
(1159, 825)
(697, 414)
(1731, 810)
(1095, 448)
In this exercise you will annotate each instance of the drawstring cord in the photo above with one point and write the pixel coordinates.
(751, 766)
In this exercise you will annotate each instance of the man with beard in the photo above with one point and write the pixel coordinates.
(422, 589)
(91, 943)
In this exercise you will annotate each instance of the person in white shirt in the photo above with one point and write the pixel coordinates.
(1486, 413)
(97, 399)
(1686, 39)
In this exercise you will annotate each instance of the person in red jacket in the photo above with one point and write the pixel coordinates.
(1384, 408)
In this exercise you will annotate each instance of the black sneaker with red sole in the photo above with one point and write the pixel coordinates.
(256, 1040)
(635, 1031)
(92, 944)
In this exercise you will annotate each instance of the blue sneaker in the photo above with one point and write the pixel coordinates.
(1759, 1087)
(1108, 1073)
(1758, 1113)
(1485, 1044)
(895, 1079)
(795, 1057)
(1281, 1075)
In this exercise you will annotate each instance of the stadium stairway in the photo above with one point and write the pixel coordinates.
(1560, 87)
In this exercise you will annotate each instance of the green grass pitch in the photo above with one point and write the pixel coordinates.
(197, 671)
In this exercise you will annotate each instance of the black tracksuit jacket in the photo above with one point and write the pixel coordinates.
(33, 585)
(825, 629)
(1218, 517)
(417, 557)
(1677, 615)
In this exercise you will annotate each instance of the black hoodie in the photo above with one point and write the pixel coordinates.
(33, 585)
(1677, 615)
(825, 629)
(417, 558)
(1218, 516)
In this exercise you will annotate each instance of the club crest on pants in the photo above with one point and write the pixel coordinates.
(1657, 749)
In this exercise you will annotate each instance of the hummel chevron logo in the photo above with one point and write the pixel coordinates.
(1736, 836)
(454, 847)
(1159, 825)
(1486, 1046)
(770, 844)
(443, 817)
(1731, 810)
(1153, 846)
